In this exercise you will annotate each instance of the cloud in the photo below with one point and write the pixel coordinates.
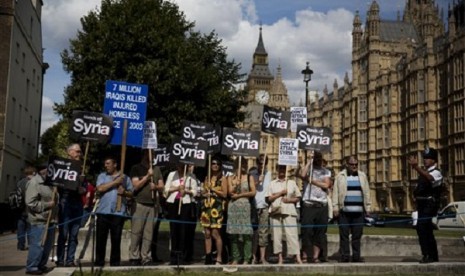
(48, 117)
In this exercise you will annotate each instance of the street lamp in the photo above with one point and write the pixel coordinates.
(307, 72)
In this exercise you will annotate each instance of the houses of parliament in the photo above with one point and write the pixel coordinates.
(406, 93)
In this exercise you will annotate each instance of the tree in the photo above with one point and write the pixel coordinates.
(150, 42)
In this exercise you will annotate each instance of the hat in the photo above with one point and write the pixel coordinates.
(430, 153)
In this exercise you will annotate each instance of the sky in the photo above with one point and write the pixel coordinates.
(294, 32)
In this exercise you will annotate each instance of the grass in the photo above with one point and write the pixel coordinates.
(141, 272)
(333, 229)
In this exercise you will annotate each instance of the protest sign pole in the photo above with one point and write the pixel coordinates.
(209, 176)
(86, 152)
(123, 158)
(180, 199)
(239, 167)
(154, 192)
(49, 218)
(264, 157)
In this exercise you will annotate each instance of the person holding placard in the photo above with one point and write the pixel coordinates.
(111, 184)
(283, 194)
(315, 207)
(145, 179)
(180, 189)
(262, 178)
(40, 202)
(70, 215)
(212, 210)
(241, 189)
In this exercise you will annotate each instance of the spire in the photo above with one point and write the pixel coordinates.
(260, 46)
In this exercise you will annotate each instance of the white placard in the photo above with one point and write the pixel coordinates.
(288, 151)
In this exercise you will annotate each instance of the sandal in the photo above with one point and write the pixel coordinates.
(304, 260)
(315, 261)
(218, 262)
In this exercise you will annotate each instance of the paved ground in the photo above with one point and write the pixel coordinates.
(12, 262)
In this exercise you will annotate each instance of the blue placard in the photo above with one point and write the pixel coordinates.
(126, 101)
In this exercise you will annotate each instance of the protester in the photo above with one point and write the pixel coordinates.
(351, 203)
(212, 211)
(23, 225)
(111, 184)
(427, 196)
(315, 207)
(283, 194)
(262, 179)
(88, 202)
(180, 189)
(70, 216)
(146, 181)
(241, 189)
(40, 202)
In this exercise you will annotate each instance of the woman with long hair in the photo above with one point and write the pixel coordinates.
(241, 189)
(212, 210)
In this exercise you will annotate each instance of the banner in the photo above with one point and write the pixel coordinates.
(63, 173)
(240, 142)
(298, 117)
(188, 151)
(275, 121)
(126, 101)
(203, 131)
(314, 138)
(161, 156)
(150, 135)
(91, 126)
(288, 151)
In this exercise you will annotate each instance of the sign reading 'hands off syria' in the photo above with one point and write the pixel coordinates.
(314, 138)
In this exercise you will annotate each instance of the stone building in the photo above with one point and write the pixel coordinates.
(21, 81)
(406, 93)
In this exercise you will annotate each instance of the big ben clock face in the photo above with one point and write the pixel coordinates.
(262, 97)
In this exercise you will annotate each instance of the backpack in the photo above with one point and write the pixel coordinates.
(16, 199)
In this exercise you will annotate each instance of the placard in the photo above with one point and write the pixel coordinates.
(150, 135)
(288, 151)
(240, 142)
(63, 173)
(90, 126)
(298, 117)
(188, 151)
(161, 156)
(203, 131)
(314, 138)
(126, 101)
(275, 121)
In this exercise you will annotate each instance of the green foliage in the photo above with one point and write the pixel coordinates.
(55, 140)
(150, 42)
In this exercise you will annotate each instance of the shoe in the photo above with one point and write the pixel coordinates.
(71, 264)
(156, 260)
(344, 260)
(358, 260)
(134, 262)
(46, 269)
(315, 260)
(34, 272)
(426, 260)
(147, 263)
(59, 264)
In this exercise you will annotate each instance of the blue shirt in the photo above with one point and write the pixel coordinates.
(107, 204)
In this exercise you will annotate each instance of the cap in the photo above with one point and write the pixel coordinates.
(430, 153)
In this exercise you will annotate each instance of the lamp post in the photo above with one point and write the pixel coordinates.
(307, 72)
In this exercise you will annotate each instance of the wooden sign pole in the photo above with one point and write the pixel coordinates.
(123, 159)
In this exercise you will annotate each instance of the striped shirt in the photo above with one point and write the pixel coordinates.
(353, 201)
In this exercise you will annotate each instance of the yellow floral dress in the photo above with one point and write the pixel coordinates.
(212, 215)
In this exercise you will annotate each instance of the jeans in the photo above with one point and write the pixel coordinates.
(350, 224)
(70, 215)
(22, 231)
(85, 216)
(38, 256)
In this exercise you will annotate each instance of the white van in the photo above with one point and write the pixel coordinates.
(452, 217)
